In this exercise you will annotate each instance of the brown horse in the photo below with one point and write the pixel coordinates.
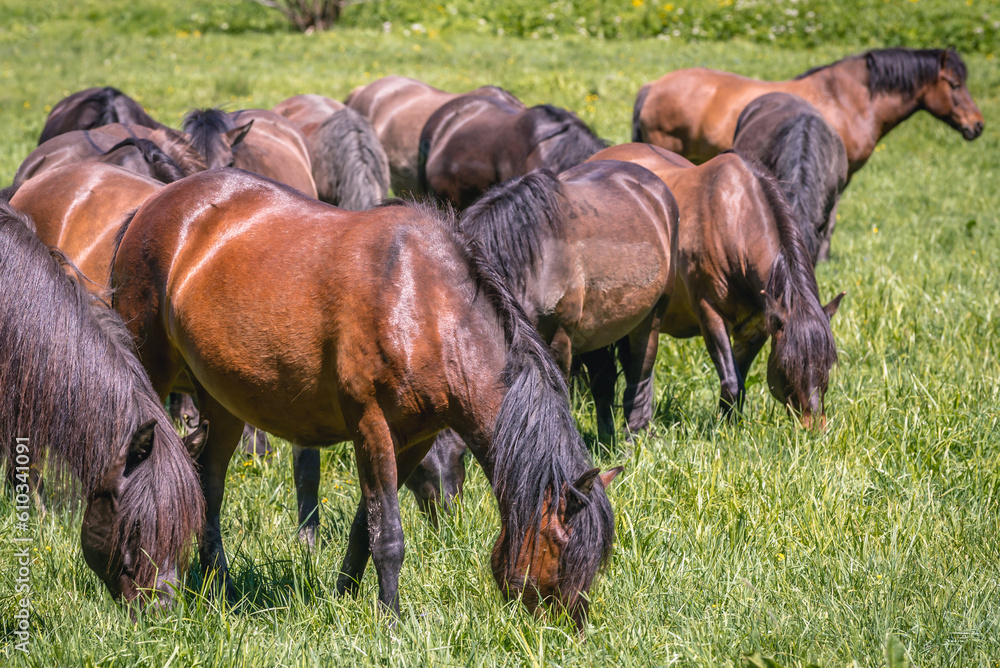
(76, 398)
(275, 148)
(744, 272)
(694, 111)
(388, 330)
(78, 208)
(96, 144)
(398, 107)
(787, 135)
(348, 164)
(92, 108)
(475, 142)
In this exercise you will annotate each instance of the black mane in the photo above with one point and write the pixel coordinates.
(900, 70)
(511, 222)
(74, 386)
(571, 141)
(204, 127)
(163, 166)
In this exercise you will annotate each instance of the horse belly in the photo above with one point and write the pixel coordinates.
(623, 283)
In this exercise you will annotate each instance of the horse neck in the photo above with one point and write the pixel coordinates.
(862, 119)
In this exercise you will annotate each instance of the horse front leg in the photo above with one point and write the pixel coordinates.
(377, 529)
(603, 374)
(224, 434)
(716, 335)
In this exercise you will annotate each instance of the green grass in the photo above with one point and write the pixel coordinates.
(731, 539)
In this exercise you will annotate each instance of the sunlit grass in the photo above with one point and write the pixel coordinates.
(732, 538)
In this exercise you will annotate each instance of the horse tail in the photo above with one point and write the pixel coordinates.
(348, 162)
(511, 222)
(809, 162)
(538, 453)
(640, 100)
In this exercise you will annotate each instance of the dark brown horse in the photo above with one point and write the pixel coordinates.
(398, 107)
(787, 135)
(473, 143)
(348, 164)
(111, 143)
(863, 97)
(76, 398)
(744, 273)
(388, 330)
(92, 108)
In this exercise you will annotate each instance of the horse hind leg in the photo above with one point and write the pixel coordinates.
(223, 437)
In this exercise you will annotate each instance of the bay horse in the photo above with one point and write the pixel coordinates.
(105, 142)
(787, 135)
(475, 142)
(92, 108)
(275, 148)
(694, 111)
(398, 108)
(349, 166)
(743, 272)
(77, 399)
(389, 330)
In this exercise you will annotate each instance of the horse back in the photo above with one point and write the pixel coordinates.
(276, 148)
(308, 111)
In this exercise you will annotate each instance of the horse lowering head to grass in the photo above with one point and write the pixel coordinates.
(473, 143)
(164, 154)
(743, 276)
(92, 108)
(389, 330)
(863, 97)
(75, 390)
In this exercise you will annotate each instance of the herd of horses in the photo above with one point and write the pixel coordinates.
(138, 260)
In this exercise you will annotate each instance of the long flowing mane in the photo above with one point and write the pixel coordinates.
(204, 127)
(808, 340)
(537, 452)
(571, 140)
(178, 146)
(511, 222)
(900, 70)
(74, 386)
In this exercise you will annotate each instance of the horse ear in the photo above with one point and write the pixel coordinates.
(236, 135)
(195, 441)
(774, 312)
(140, 446)
(610, 475)
(585, 483)
(943, 58)
(834, 304)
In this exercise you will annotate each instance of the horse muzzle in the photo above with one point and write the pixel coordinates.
(970, 132)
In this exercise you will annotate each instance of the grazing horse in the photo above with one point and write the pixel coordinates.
(744, 273)
(398, 108)
(276, 148)
(75, 397)
(863, 97)
(475, 142)
(388, 330)
(787, 135)
(94, 107)
(349, 166)
(96, 144)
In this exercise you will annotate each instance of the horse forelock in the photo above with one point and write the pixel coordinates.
(77, 391)
(204, 126)
(512, 221)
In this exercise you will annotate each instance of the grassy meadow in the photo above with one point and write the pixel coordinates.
(731, 538)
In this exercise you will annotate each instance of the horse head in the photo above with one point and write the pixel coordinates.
(949, 99)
